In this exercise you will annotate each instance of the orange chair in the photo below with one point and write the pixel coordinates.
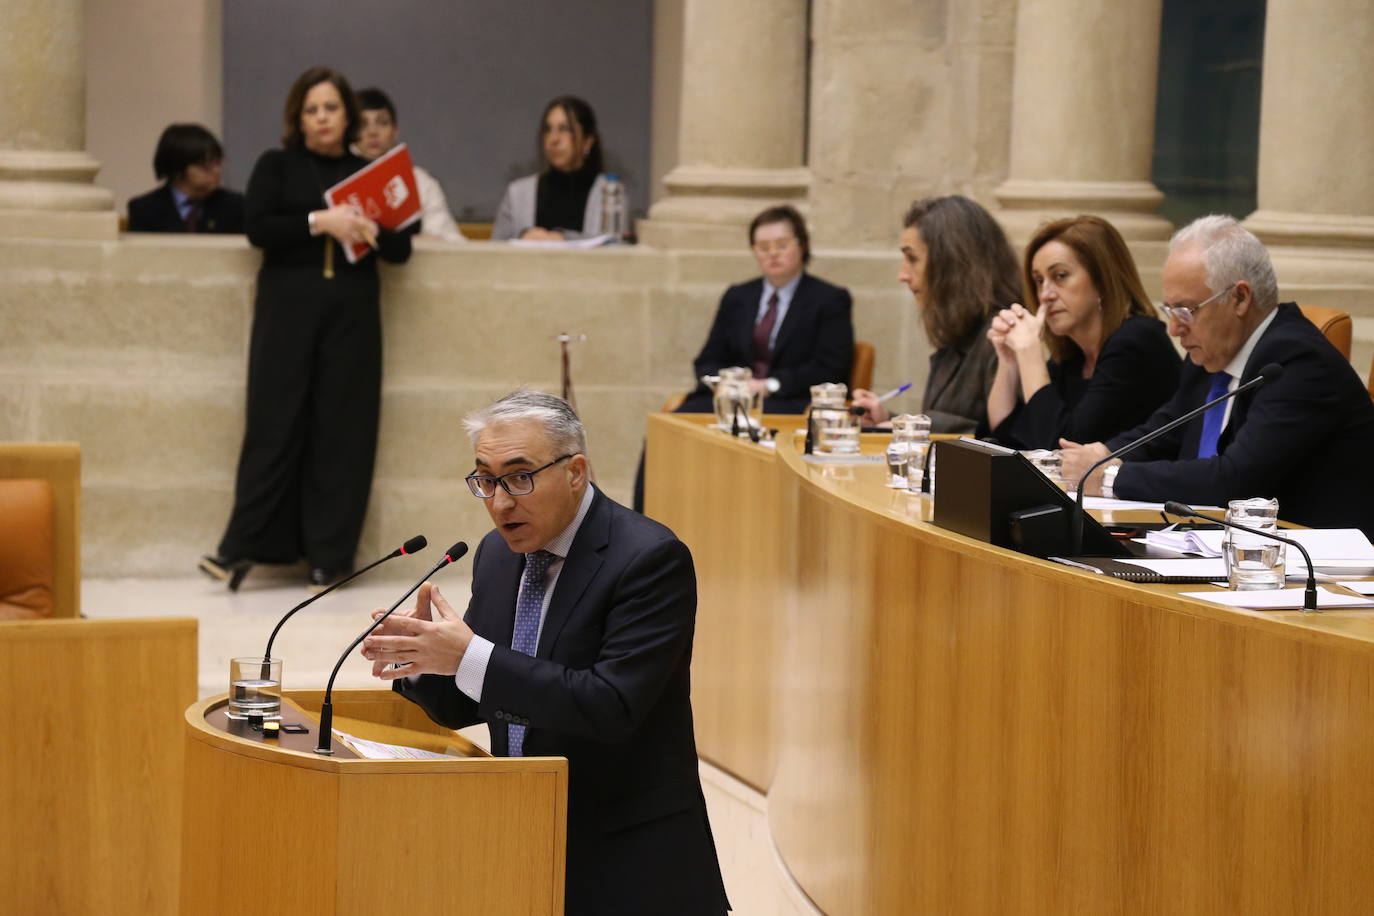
(1335, 324)
(40, 529)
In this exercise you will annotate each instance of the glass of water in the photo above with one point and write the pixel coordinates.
(1253, 562)
(254, 687)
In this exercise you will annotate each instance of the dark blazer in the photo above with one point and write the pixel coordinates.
(156, 211)
(1136, 372)
(1305, 438)
(957, 386)
(608, 688)
(814, 344)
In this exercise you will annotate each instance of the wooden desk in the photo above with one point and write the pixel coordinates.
(943, 726)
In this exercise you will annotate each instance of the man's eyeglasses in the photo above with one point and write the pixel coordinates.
(777, 247)
(1185, 313)
(516, 483)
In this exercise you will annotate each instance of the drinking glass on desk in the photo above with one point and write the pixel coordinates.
(1253, 562)
(910, 439)
(254, 688)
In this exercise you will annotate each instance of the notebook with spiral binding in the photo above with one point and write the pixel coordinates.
(1128, 573)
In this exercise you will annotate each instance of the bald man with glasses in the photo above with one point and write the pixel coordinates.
(577, 642)
(1305, 438)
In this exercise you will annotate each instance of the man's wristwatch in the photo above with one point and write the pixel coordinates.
(1109, 480)
(772, 385)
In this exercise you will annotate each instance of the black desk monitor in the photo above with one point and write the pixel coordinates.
(996, 495)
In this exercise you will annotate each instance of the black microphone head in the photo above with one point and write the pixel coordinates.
(456, 552)
(1177, 508)
(1270, 372)
(414, 545)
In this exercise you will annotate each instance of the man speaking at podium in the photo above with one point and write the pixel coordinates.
(577, 642)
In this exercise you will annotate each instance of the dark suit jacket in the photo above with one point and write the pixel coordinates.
(814, 344)
(609, 689)
(1305, 438)
(1136, 372)
(156, 211)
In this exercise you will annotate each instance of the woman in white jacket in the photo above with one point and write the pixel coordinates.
(564, 200)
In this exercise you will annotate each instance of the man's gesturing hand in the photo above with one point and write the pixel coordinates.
(430, 639)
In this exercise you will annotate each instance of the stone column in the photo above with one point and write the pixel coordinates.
(46, 187)
(1316, 154)
(741, 122)
(1083, 116)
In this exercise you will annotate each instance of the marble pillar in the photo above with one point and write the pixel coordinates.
(741, 122)
(1316, 178)
(1083, 114)
(46, 177)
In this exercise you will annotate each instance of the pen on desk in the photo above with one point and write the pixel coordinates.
(893, 393)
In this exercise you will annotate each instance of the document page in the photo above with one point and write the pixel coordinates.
(376, 750)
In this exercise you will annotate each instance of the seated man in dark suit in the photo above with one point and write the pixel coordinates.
(1305, 438)
(577, 642)
(792, 329)
(188, 160)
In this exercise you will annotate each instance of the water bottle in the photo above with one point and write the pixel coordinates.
(615, 221)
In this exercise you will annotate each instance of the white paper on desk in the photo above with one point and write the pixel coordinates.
(1102, 502)
(595, 241)
(1183, 540)
(1279, 599)
(1364, 588)
(1328, 546)
(376, 750)
(1200, 567)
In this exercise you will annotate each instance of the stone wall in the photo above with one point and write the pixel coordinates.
(137, 348)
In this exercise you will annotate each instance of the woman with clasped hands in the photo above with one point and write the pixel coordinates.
(960, 269)
(1111, 362)
(315, 359)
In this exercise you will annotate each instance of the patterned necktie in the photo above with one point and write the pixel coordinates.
(1211, 420)
(528, 609)
(763, 332)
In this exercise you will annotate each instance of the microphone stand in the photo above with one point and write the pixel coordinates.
(414, 545)
(1309, 595)
(1076, 526)
(754, 434)
(324, 744)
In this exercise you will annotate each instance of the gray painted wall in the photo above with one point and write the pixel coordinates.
(468, 78)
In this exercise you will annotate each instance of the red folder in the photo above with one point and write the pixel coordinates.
(384, 191)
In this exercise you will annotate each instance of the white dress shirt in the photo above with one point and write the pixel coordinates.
(1237, 364)
(784, 301)
(472, 669)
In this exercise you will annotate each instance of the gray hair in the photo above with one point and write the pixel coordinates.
(553, 413)
(1231, 253)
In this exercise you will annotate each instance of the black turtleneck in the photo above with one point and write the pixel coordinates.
(561, 201)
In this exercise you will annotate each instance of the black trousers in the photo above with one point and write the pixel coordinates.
(314, 394)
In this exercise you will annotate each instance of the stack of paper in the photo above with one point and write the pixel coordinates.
(1280, 599)
(1328, 546)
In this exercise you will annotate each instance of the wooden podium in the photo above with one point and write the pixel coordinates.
(90, 780)
(272, 827)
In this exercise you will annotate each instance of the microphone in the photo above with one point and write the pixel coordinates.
(325, 743)
(1309, 595)
(1267, 373)
(754, 434)
(414, 545)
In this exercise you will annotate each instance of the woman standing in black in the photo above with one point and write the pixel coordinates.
(315, 363)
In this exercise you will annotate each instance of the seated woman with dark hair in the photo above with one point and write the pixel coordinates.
(188, 161)
(1111, 362)
(960, 269)
(564, 200)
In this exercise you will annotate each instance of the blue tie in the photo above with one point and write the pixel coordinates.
(528, 609)
(1211, 420)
